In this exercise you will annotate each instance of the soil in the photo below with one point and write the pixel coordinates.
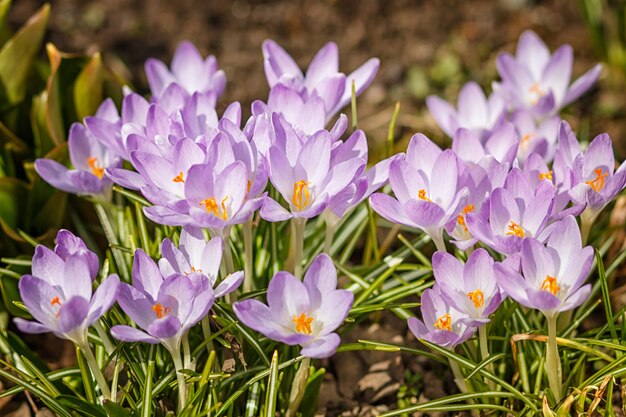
(425, 47)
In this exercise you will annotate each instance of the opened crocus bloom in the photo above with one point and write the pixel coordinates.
(537, 80)
(552, 274)
(59, 295)
(441, 323)
(301, 313)
(471, 287)
(194, 255)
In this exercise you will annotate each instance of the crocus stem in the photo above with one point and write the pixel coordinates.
(206, 332)
(248, 280)
(106, 342)
(437, 238)
(186, 352)
(180, 377)
(228, 254)
(484, 351)
(553, 363)
(298, 236)
(298, 387)
(95, 370)
(458, 376)
(328, 237)
(109, 233)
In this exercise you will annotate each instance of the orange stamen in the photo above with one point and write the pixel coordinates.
(444, 322)
(515, 229)
(421, 194)
(536, 89)
(211, 207)
(301, 195)
(477, 297)
(179, 177)
(160, 311)
(95, 167)
(56, 301)
(545, 176)
(461, 217)
(597, 184)
(303, 323)
(549, 284)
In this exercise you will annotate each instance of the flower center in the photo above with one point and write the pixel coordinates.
(56, 302)
(193, 269)
(444, 322)
(597, 184)
(549, 284)
(537, 91)
(461, 217)
(179, 177)
(160, 311)
(211, 207)
(421, 194)
(301, 195)
(515, 229)
(525, 141)
(303, 323)
(477, 297)
(95, 167)
(545, 176)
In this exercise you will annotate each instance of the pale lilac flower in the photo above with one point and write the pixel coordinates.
(59, 295)
(470, 288)
(301, 313)
(553, 274)
(538, 137)
(90, 160)
(322, 78)
(441, 323)
(474, 111)
(537, 80)
(501, 144)
(189, 70)
(164, 307)
(512, 213)
(427, 189)
(195, 255)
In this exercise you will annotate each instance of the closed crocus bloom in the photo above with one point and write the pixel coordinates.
(195, 255)
(427, 189)
(441, 323)
(301, 313)
(67, 244)
(89, 158)
(322, 78)
(471, 287)
(552, 275)
(537, 80)
(474, 111)
(189, 70)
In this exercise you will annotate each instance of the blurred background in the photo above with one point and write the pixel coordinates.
(425, 47)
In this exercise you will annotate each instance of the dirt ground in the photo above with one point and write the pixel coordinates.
(425, 47)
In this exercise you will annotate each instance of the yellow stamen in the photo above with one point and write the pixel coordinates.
(95, 167)
(461, 217)
(421, 194)
(545, 176)
(301, 195)
(549, 284)
(525, 141)
(193, 269)
(211, 207)
(477, 297)
(303, 323)
(538, 91)
(179, 177)
(56, 301)
(160, 311)
(444, 322)
(515, 229)
(597, 184)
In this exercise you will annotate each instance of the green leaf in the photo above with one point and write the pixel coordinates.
(88, 88)
(17, 55)
(12, 193)
(272, 387)
(83, 407)
(115, 410)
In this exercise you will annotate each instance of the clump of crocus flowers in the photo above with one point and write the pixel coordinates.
(513, 182)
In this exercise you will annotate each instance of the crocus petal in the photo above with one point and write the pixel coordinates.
(32, 327)
(576, 299)
(324, 64)
(424, 214)
(582, 84)
(333, 310)
(258, 316)
(321, 347)
(103, 299)
(287, 297)
(72, 314)
(229, 284)
(390, 209)
(164, 328)
(274, 212)
(130, 334)
(146, 274)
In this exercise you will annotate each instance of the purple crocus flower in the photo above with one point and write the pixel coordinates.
(59, 295)
(553, 274)
(537, 80)
(512, 213)
(322, 78)
(442, 324)
(301, 313)
(195, 255)
(89, 158)
(164, 307)
(598, 183)
(427, 189)
(502, 144)
(189, 70)
(538, 137)
(475, 112)
(470, 288)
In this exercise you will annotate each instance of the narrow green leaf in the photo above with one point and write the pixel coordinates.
(88, 88)
(271, 393)
(146, 407)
